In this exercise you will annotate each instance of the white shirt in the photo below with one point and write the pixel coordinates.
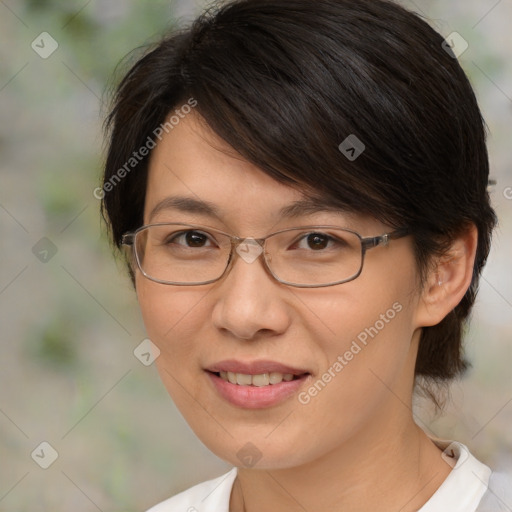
(462, 491)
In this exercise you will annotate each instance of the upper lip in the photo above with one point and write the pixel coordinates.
(254, 367)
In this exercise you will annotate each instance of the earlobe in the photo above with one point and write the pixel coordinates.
(448, 280)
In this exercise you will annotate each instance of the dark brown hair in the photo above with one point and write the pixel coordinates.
(284, 82)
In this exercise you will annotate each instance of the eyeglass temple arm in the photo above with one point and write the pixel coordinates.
(384, 239)
(128, 239)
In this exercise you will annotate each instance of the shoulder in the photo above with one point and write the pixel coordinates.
(499, 493)
(210, 496)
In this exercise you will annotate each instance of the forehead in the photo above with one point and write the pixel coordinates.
(191, 159)
(193, 171)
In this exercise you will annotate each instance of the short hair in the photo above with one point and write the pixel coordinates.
(284, 82)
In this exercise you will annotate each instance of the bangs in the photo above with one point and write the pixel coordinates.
(286, 104)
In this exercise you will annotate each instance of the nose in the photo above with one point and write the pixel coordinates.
(249, 302)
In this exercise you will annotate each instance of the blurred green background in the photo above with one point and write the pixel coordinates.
(68, 315)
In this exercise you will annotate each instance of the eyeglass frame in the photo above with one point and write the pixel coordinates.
(367, 243)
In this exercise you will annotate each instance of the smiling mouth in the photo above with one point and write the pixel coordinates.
(259, 380)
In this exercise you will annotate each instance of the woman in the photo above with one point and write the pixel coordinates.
(302, 187)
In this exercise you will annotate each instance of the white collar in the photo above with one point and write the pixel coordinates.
(466, 484)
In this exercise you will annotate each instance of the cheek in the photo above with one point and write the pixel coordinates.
(177, 322)
(366, 366)
(363, 332)
(361, 335)
(174, 318)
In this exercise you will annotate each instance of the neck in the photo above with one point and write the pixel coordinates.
(387, 467)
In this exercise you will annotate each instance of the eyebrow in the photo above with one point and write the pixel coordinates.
(186, 205)
(308, 206)
(206, 208)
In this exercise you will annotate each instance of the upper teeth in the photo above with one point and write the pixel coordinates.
(263, 379)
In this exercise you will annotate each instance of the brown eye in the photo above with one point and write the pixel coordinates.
(189, 239)
(317, 241)
(195, 239)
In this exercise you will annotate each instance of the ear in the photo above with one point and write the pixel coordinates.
(448, 280)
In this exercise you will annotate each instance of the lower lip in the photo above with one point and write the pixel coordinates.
(256, 397)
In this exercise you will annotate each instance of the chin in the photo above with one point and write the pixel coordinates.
(254, 449)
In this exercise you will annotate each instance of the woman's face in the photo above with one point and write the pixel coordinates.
(359, 339)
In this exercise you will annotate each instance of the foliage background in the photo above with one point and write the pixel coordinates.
(69, 326)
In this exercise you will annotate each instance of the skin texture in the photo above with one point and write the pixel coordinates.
(355, 445)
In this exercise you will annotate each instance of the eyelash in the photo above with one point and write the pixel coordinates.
(180, 234)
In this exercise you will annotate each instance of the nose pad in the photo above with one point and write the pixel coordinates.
(249, 250)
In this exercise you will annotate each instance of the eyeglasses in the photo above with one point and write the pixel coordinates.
(305, 257)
